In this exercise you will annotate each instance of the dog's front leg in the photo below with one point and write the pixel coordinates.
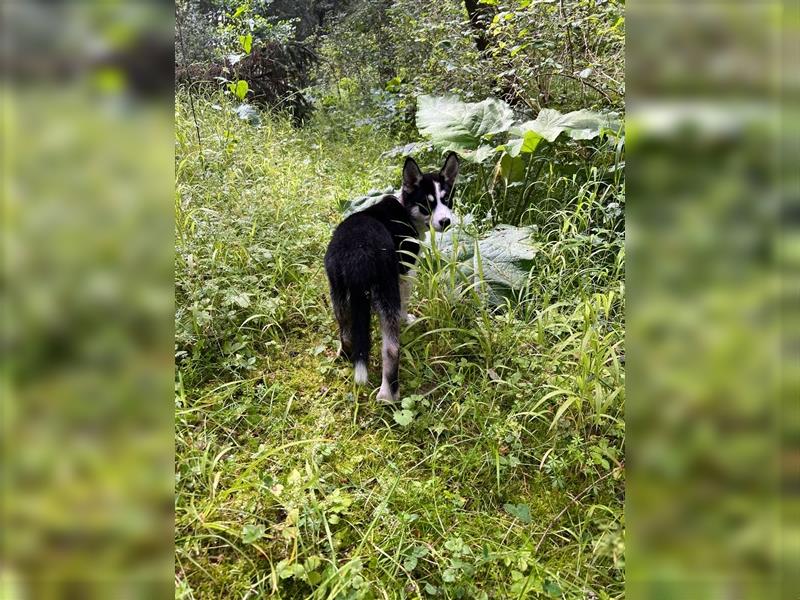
(390, 355)
(406, 285)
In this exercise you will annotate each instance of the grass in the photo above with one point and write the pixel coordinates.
(500, 476)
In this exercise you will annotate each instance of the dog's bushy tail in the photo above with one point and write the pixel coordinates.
(361, 312)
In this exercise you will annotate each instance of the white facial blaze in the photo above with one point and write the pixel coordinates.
(441, 212)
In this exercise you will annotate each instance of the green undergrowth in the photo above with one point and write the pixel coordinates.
(499, 476)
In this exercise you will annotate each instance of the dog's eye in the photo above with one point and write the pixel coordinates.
(424, 210)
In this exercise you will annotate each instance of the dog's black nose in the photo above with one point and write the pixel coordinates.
(444, 224)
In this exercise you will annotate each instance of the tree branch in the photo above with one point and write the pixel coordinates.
(584, 82)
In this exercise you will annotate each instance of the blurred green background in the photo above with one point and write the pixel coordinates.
(87, 408)
(712, 388)
(88, 235)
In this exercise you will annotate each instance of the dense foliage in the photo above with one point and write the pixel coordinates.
(382, 55)
(531, 54)
(500, 475)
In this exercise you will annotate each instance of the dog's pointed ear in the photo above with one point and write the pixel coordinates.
(450, 169)
(411, 174)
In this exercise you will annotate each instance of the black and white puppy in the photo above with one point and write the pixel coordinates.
(370, 263)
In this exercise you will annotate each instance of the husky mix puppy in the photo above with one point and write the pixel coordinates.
(370, 262)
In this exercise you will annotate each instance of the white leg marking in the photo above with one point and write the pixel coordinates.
(385, 394)
(390, 354)
(361, 373)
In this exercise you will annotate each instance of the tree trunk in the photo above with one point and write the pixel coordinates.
(480, 15)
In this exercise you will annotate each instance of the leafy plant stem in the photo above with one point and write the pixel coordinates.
(179, 23)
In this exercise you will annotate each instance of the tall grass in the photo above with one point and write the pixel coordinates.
(501, 474)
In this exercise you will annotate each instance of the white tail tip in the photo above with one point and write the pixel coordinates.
(361, 373)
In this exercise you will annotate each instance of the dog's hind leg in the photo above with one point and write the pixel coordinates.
(360, 311)
(390, 353)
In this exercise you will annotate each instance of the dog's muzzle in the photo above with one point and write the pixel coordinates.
(442, 225)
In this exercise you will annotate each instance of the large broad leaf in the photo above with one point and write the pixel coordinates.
(356, 204)
(504, 258)
(510, 168)
(526, 143)
(579, 124)
(586, 124)
(480, 155)
(483, 153)
(453, 124)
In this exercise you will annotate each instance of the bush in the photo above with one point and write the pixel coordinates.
(563, 55)
(222, 44)
(276, 74)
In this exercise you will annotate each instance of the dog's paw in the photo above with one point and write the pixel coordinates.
(385, 396)
(410, 319)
